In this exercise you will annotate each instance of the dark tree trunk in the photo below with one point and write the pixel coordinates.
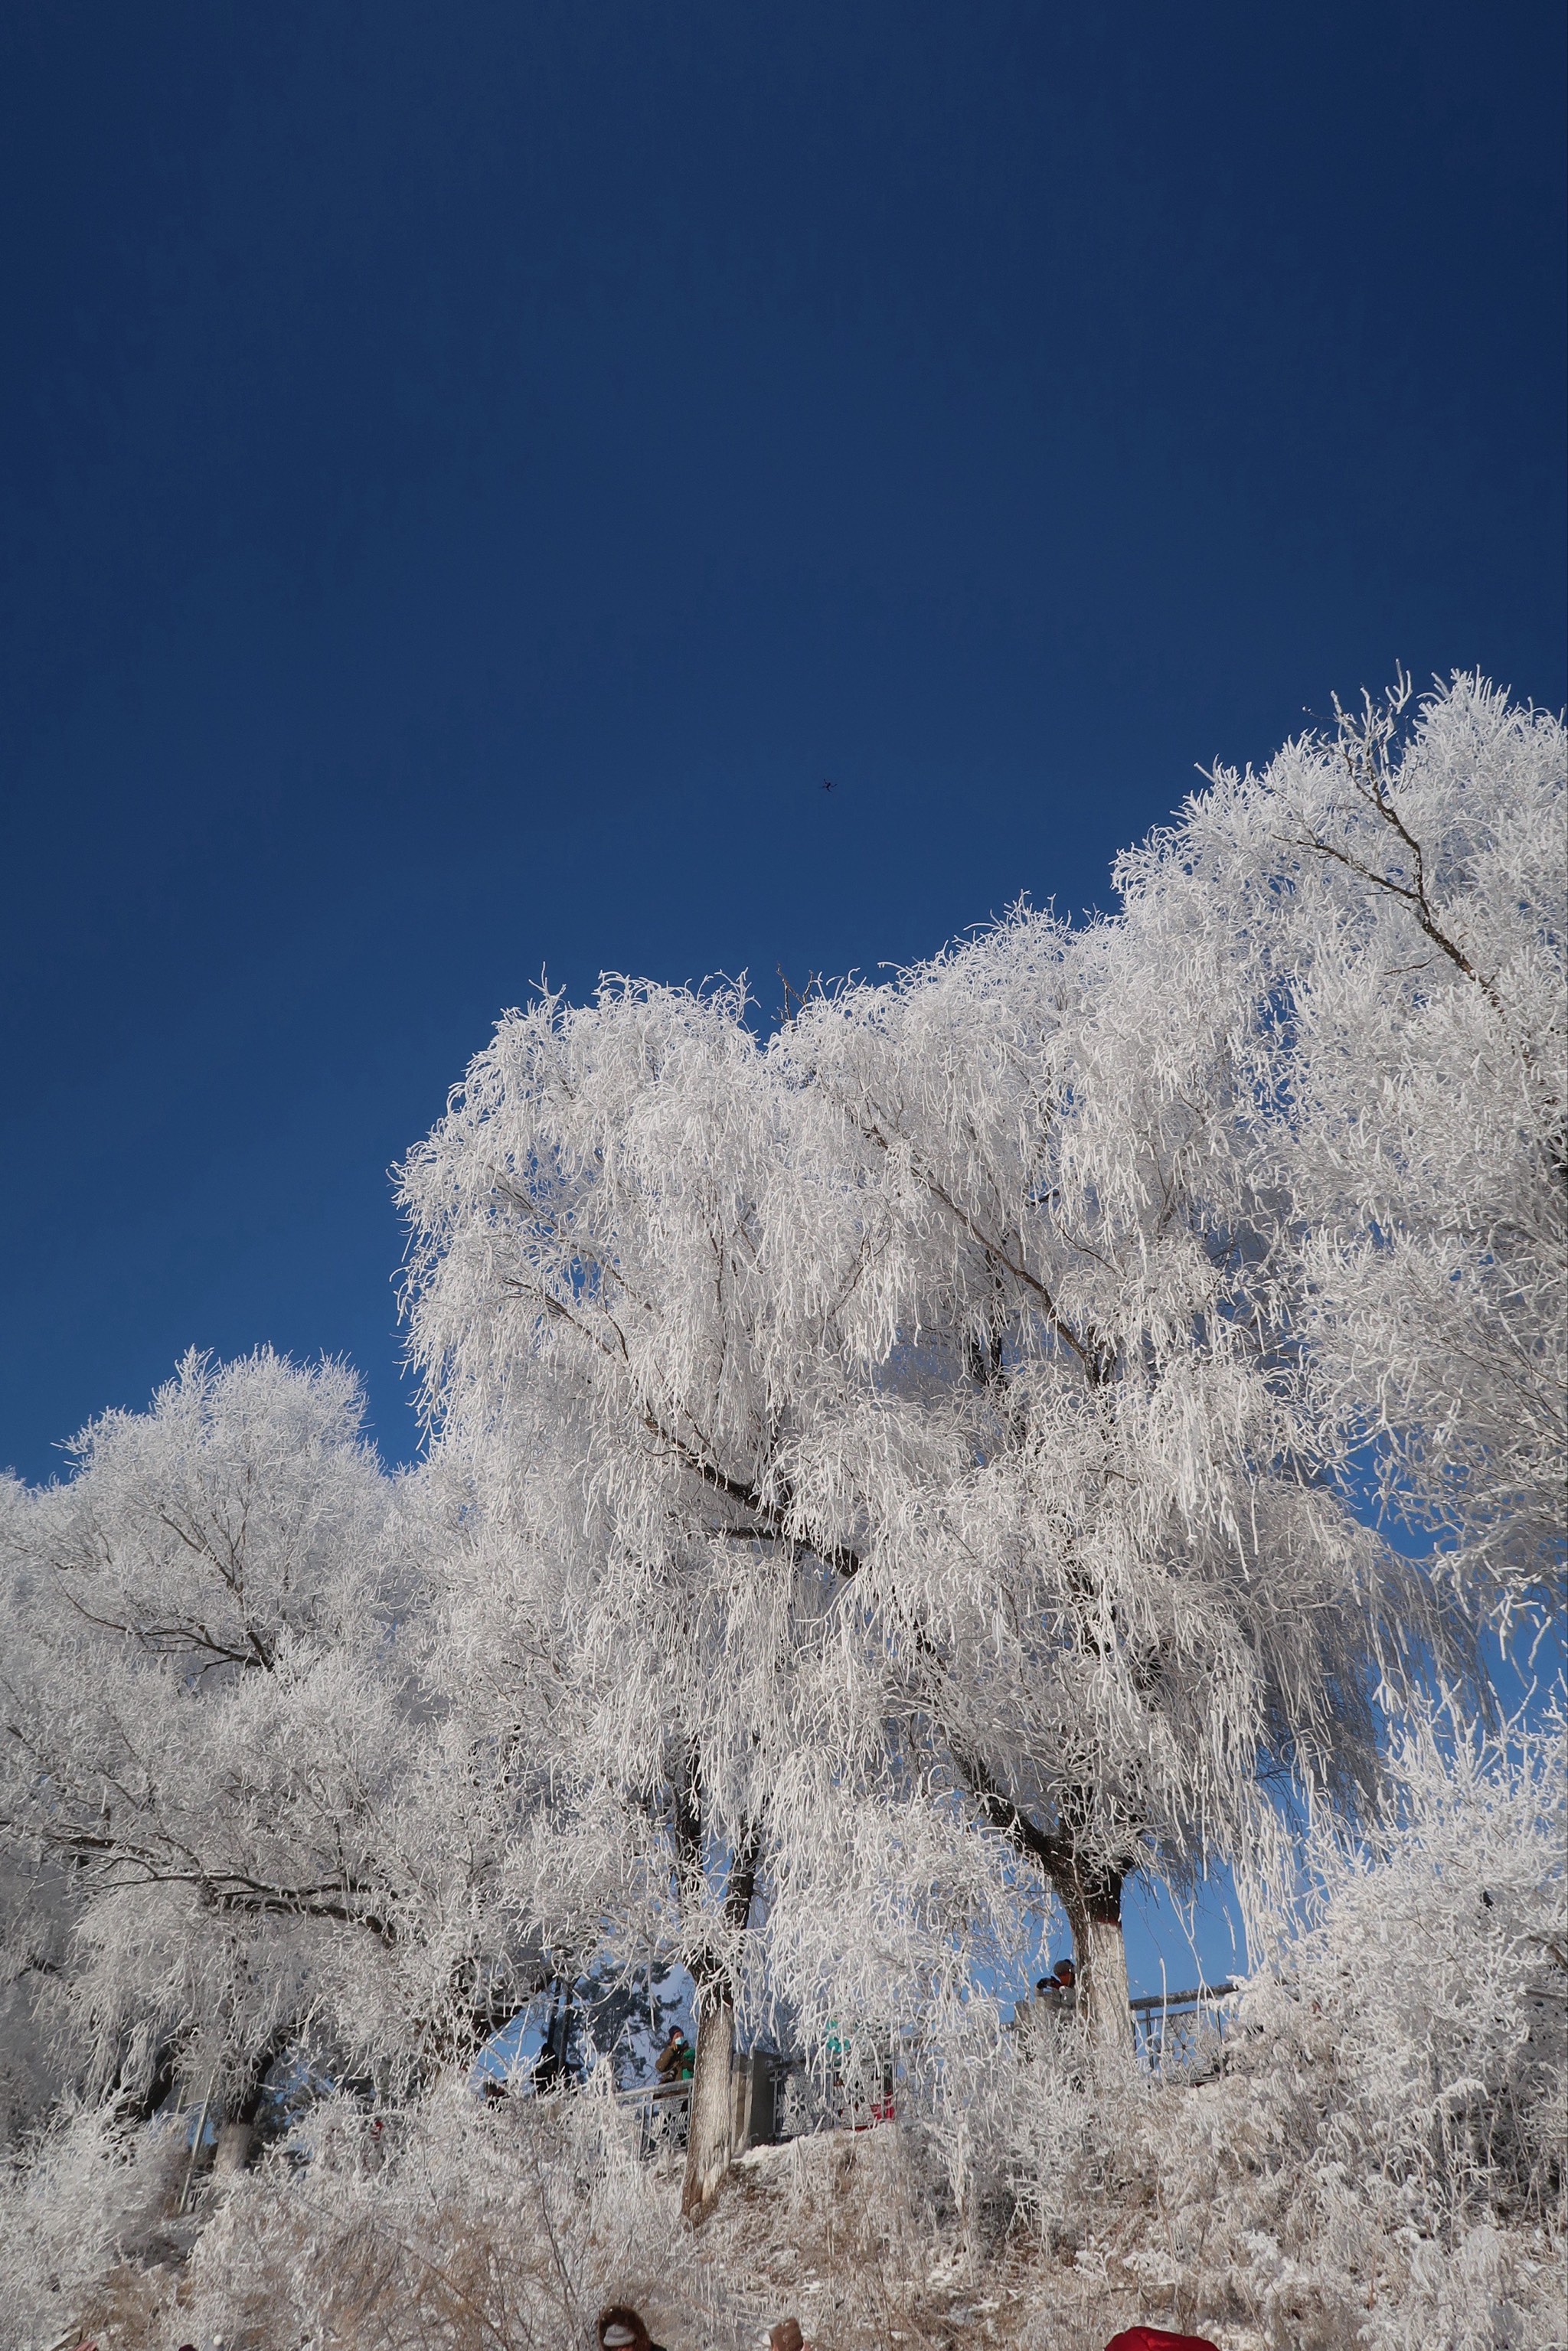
(1088, 1886)
(1092, 1898)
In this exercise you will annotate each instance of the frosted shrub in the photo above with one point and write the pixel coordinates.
(453, 2222)
(86, 2192)
(1399, 2074)
(1378, 2156)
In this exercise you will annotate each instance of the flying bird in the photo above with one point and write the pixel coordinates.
(829, 785)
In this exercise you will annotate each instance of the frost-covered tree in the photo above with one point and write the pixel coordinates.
(1230, 1210)
(1382, 908)
(219, 1761)
(1104, 1596)
(587, 1311)
(886, 1414)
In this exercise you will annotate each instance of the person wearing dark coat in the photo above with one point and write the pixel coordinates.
(674, 2060)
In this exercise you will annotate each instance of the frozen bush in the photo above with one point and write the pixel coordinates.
(89, 2191)
(456, 2221)
(1377, 2157)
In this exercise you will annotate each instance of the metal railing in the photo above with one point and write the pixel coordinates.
(1169, 2027)
(664, 2109)
(779, 2094)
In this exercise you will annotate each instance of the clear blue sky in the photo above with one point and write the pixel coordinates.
(471, 472)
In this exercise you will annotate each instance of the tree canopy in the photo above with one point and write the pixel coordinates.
(996, 1433)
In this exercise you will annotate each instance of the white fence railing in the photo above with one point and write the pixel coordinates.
(1169, 2028)
(779, 2094)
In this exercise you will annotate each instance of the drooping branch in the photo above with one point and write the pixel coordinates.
(772, 1519)
(1363, 747)
(1097, 1356)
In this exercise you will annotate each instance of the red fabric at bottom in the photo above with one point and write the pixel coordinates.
(1158, 2338)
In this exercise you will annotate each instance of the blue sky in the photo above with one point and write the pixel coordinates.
(471, 473)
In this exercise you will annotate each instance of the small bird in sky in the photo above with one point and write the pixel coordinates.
(829, 785)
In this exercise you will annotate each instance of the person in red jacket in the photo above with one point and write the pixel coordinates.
(1158, 2339)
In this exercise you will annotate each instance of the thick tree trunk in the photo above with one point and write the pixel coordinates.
(238, 2142)
(710, 2128)
(1089, 1889)
(1092, 1900)
(709, 2147)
